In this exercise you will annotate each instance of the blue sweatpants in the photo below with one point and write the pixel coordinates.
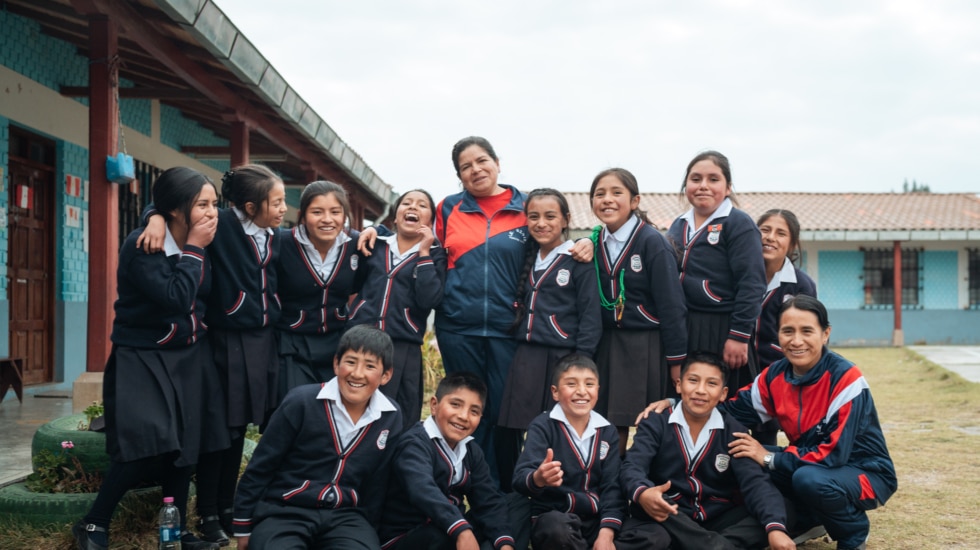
(839, 498)
(490, 359)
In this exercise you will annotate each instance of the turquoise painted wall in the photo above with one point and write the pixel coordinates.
(4, 183)
(840, 285)
(940, 285)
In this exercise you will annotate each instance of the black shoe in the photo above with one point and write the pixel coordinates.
(225, 517)
(211, 531)
(81, 530)
(189, 542)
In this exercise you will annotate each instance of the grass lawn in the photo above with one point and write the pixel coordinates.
(931, 419)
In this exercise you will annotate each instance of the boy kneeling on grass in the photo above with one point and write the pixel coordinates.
(679, 472)
(436, 464)
(339, 434)
(570, 469)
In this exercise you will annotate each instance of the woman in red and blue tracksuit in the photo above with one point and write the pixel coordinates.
(837, 465)
(484, 231)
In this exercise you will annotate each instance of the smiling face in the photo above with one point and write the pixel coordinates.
(478, 172)
(702, 388)
(776, 240)
(546, 222)
(576, 393)
(612, 202)
(706, 187)
(324, 219)
(359, 374)
(457, 414)
(414, 211)
(802, 338)
(271, 212)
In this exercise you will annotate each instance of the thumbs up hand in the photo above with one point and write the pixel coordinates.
(549, 473)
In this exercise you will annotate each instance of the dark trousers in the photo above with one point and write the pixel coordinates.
(838, 498)
(405, 386)
(556, 530)
(733, 530)
(123, 476)
(489, 358)
(281, 527)
(217, 478)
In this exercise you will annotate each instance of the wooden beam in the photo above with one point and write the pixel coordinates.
(137, 93)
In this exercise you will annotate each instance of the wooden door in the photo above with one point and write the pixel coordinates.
(30, 256)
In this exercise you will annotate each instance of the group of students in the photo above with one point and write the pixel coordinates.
(226, 314)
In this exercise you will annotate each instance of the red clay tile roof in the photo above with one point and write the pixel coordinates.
(821, 211)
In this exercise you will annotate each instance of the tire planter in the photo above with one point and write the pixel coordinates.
(24, 507)
(89, 446)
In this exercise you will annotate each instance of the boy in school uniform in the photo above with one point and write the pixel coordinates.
(318, 476)
(679, 473)
(435, 465)
(570, 469)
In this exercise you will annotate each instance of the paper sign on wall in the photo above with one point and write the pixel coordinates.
(25, 197)
(74, 215)
(73, 185)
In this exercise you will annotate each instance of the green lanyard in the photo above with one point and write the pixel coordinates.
(616, 305)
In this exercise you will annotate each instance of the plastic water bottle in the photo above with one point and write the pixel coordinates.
(169, 525)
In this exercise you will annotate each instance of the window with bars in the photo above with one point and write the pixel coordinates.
(879, 277)
(973, 268)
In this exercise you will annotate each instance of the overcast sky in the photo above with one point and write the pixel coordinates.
(801, 96)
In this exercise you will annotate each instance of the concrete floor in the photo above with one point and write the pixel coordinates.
(963, 360)
(18, 422)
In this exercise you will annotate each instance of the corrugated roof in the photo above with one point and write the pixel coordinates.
(822, 211)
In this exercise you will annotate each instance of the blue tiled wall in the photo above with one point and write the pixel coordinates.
(72, 258)
(4, 186)
(176, 131)
(940, 282)
(840, 285)
(52, 62)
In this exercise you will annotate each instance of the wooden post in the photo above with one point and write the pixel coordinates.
(239, 143)
(103, 216)
(898, 338)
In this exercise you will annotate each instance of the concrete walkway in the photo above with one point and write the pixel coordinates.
(963, 360)
(19, 421)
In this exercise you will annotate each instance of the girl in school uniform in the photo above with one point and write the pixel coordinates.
(557, 313)
(401, 284)
(643, 311)
(317, 271)
(242, 310)
(721, 267)
(159, 414)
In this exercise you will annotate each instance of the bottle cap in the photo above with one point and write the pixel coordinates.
(168, 500)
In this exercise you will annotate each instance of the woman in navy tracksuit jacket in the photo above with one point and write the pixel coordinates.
(317, 271)
(837, 465)
(721, 267)
(402, 283)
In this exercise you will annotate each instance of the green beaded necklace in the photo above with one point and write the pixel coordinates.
(617, 304)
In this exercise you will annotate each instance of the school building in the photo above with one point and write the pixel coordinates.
(852, 243)
(170, 82)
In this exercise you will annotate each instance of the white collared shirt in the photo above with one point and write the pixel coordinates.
(615, 242)
(786, 274)
(259, 234)
(396, 255)
(170, 244)
(347, 428)
(715, 422)
(323, 266)
(723, 210)
(456, 455)
(543, 263)
(582, 442)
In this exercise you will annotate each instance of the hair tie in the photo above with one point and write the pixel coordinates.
(227, 177)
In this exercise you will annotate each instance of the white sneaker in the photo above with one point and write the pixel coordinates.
(812, 533)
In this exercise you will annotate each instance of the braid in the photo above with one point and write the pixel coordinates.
(530, 251)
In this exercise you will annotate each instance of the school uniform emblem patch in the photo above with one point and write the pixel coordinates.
(603, 450)
(636, 263)
(382, 440)
(714, 233)
(353, 262)
(721, 462)
(563, 277)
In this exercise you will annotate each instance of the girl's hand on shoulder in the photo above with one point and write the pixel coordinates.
(153, 235)
(583, 250)
(366, 240)
(736, 353)
(656, 407)
(202, 233)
